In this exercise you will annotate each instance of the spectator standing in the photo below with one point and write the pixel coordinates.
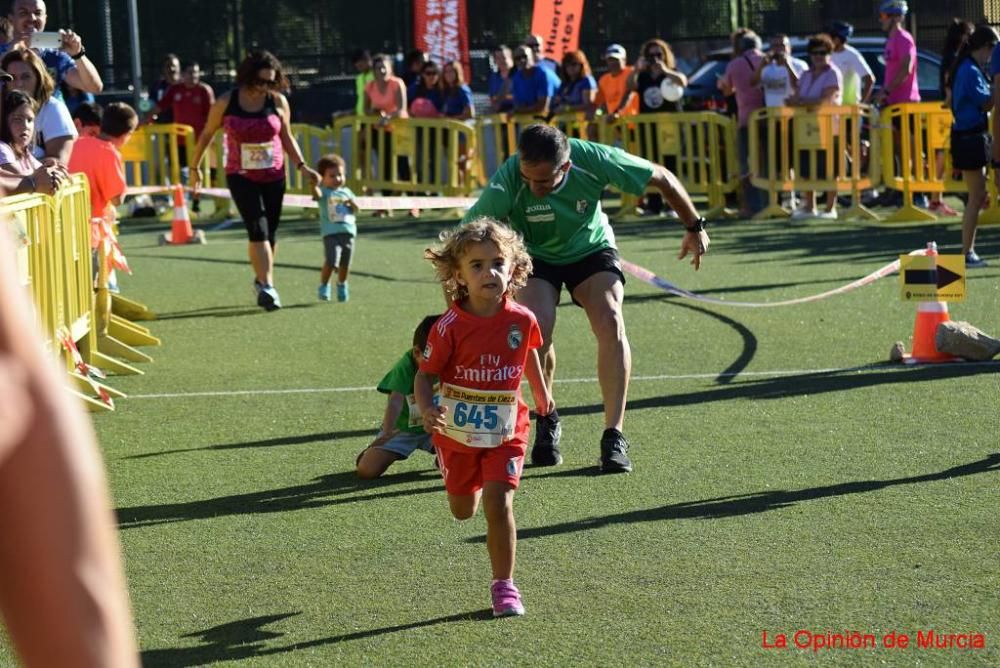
(778, 72)
(101, 160)
(74, 97)
(578, 89)
(427, 88)
(957, 36)
(820, 85)
(17, 131)
(533, 87)
(414, 67)
(498, 83)
(655, 64)
(654, 67)
(458, 104)
(900, 55)
(971, 145)
(737, 80)
(170, 74)
(385, 97)
(45, 179)
(87, 119)
(457, 95)
(857, 74)
(189, 103)
(614, 97)
(69, 62)
(362, 61)
(535, 42)
(54, 128)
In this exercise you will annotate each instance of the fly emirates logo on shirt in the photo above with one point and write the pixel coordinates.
(489, 370)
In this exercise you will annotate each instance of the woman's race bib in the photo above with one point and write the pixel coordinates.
(257, 156)
(479, 418)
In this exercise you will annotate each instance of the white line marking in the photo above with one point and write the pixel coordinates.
(559, 381)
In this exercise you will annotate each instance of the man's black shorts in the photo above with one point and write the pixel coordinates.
(572, 275)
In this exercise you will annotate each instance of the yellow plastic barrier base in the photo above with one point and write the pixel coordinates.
(92, 404)
(114, 366)
(772, 212)
(990, 216)
(130, 333)
(108, 345)
(858, 211)
(130, 310)
(909, 213)
(84, 388)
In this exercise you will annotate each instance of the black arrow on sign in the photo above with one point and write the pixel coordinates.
(941, 277)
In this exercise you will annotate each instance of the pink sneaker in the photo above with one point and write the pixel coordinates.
(943, 209)
(506, 599)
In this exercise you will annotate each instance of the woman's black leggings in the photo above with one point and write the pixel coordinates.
(259, 205)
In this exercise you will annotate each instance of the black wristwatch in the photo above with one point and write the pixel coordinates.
(698, 226)
(80, 54)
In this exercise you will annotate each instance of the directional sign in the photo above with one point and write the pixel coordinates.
(940, 278)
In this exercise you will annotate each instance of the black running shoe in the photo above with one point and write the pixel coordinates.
(548, 431)
(614, 452)
(268, 298)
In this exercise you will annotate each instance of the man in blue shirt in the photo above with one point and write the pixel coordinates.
(69, 63)
(532, 86)
(534, 42)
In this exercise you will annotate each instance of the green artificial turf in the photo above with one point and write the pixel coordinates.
(786, 478)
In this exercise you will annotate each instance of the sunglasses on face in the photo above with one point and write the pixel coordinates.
(431, 73)
(654, 54)
(819, 53)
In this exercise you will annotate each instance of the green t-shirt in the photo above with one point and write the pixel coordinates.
(400, 379)
(568, 224)
(360, 82)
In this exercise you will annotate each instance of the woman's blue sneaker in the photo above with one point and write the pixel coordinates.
(324, 292)
(343, 294)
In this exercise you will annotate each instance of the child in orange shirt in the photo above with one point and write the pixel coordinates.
(100, 158)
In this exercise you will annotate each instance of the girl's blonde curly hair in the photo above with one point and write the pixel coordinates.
(447, 256)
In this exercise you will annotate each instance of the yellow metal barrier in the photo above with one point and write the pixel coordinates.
(154, 154)
(55, 238)
(913, 136)
(423, 155)
(818, 149)
(699, 148)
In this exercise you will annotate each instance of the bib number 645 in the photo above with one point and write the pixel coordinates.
(479, 416)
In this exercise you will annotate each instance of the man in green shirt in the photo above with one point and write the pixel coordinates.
(550, 192)
(363, 64)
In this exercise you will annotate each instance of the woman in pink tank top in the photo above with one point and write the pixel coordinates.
(255, 117)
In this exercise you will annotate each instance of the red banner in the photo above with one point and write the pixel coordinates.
(441, 29)
(558, 22)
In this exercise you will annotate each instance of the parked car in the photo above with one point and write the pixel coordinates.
(702, 92)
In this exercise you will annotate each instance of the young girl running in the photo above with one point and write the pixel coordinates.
(479, 349)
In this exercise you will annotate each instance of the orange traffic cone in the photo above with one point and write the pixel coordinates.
(181, 231)
(929, 316)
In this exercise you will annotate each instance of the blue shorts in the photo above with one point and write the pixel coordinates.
(404, 443)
